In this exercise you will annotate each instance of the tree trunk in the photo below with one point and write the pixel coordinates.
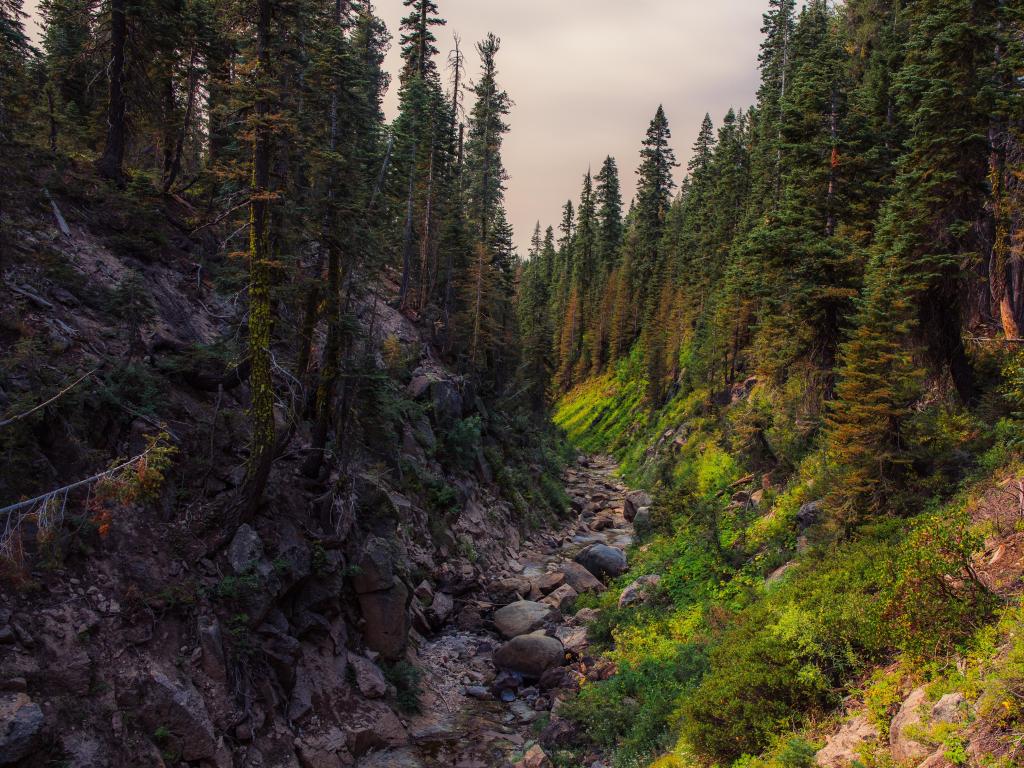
(260, 319)
(111, 164)
(407, 238)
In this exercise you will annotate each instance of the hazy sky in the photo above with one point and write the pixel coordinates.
(587, 75)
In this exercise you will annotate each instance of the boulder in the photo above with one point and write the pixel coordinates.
(530, 655)
(562, 598)
(579, 578)
(446, 402)
(633, 502)
(373, 726)
(375, 567)
(387, 624)
(949, 709)
(245, 550)
(21, 725)
(810, 513)
(904, 748)
(843, 748)
(441, 608)
(549, 582)
(176, 707)
(640, 591)
(602, 561)
(510, 588)
(603, 521)
(534, 758)
(573, 639)
(520, 617)
(369, 677)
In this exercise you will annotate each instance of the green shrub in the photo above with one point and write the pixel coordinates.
(462, 441)
(938, 598)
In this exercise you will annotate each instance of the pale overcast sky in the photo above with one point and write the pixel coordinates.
(587, 75)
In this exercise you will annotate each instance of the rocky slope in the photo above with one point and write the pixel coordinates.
(154, 627)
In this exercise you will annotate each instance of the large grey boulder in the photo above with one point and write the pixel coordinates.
(603, 561)
(579, 578)
(530, 655)
(21, 725)
(520, 617)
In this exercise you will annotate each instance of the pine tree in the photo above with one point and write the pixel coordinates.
(609, 217)
(653, 200)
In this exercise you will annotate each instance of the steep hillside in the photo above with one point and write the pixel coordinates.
(147, 618)
(769, 641)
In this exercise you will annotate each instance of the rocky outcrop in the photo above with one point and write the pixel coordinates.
(175, 708)
(843, 748)
(904, 747)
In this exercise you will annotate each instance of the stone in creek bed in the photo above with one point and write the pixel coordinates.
(479, 692)
(520, 617)
(603, 561)
(530, 655)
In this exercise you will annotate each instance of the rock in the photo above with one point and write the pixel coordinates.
(640, 591)
(936, 760)
(369, 677)
(809, 513)
(83, 750)
(602, 561)
(520, 617)
(534, 758)
(560, 733)
(579, 578)
(402, 758)
(446, 403)
(387, 623)
(470, 619)
(573, 639)
(633, 502)
(245, 549)
(530, 655)
(21, 725)
(949, 709)
(326, 750)
(549, 582)
(441, 608)
(374, 726)
(905, 749)
(842, 749)
(211, 641)
(478, 692)
(642, 521)
(511, 588)
(375, 570)
(424, 592)
(562, 598)
(603, 522)
(162, 703)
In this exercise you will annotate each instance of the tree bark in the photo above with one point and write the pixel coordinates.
(260, 319)
(111, 164)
